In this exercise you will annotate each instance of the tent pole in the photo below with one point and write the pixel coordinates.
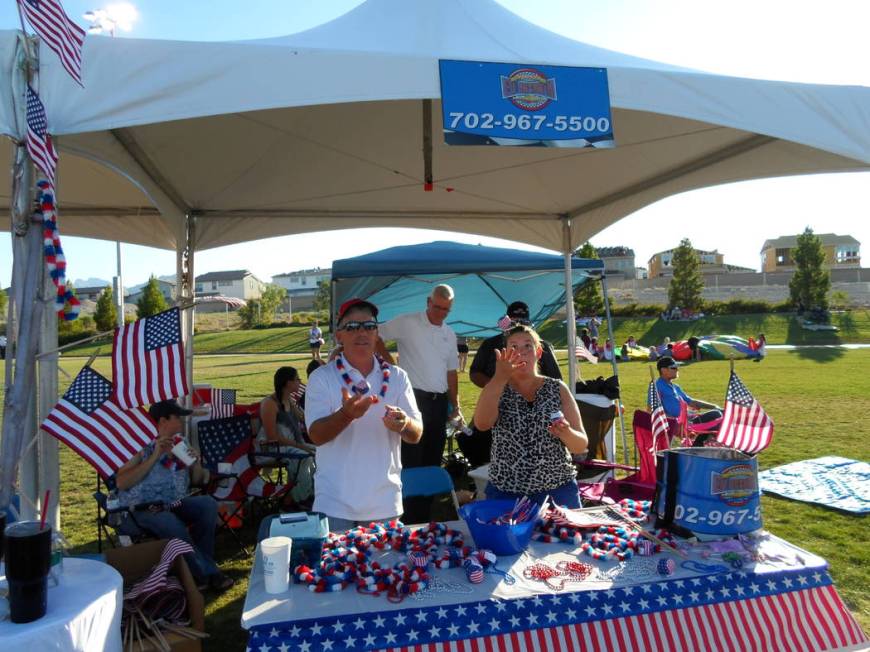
(570, 322)
(613, 363)
(184, 282)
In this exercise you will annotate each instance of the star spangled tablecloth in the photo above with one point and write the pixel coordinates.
(776, 606)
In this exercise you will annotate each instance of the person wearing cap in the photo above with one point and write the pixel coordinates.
(483, 365)
(154, 485)
(360, 410)
(477, 447)
(428, 353)
(672, 394)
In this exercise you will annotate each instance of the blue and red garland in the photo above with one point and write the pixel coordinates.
(66, 303)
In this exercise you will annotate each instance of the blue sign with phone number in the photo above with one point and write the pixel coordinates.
(498, 103)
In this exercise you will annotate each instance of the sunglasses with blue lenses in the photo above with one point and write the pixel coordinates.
(352, 326)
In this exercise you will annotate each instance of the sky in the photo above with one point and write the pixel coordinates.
(804, 41)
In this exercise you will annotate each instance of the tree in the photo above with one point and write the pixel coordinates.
(323, 296)
(262, 310)
(588, 299)
(687, 283)
(106, 314)
(808, 287)
(152, 300)
(4, 301)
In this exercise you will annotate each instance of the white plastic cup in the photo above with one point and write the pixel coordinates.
(275, 552)
(183, 454)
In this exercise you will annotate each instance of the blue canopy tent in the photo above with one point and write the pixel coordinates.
(486, 280)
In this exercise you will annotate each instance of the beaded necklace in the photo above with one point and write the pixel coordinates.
(556, 578)
(360, 386)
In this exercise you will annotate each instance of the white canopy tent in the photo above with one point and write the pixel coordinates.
(190, 146)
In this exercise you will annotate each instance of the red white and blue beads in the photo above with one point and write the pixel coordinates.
(610, 543)
(666, 566)
(361, 386)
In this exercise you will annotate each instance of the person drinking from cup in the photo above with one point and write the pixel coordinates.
(154, 484)
(535, 426)
(359, 409)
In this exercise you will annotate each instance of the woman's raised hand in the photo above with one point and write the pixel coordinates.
(507, 361)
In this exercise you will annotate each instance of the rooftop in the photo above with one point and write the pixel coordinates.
(789, 241)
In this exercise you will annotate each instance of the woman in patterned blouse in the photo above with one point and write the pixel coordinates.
(535, 425)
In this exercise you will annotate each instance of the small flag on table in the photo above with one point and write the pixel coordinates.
(87, 420)
(657, 413)
(148, 360)
(745, 425)
(57, 31)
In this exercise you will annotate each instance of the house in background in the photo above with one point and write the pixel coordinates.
(618, 261)
(91, 293)
(841, 251)
(302, 286)
(167, 289)
(712, 262)
(240, 284)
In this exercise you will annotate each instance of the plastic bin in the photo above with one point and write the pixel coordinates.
(501, 539)
(308, 536)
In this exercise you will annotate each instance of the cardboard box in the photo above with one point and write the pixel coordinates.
(136, 562)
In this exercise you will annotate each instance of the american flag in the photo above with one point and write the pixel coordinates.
(657, 413)
(39, 144)
(148, 360)
(745, 425)
(87, 420)
(57, 31)
(505, 323)
(222, 402)
(230, 440)
(581, 351)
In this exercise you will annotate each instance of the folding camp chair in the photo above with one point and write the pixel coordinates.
(230, 440)
(641, 484)
(428, 481)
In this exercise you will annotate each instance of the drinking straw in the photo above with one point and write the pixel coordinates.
(44, 509)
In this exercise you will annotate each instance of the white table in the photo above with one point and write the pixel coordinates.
(84, 612)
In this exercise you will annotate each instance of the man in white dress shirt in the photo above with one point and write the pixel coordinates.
(427, 352)
(359, 412)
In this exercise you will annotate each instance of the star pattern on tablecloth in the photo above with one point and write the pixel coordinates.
(494, 617)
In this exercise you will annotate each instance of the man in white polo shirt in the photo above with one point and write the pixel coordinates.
(427, 351)
(359, 411)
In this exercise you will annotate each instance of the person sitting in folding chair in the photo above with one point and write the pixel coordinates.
(154, 484)
(672, 395)
(282, 425)
(359, 409)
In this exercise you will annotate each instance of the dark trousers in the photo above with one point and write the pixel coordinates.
(430, 449)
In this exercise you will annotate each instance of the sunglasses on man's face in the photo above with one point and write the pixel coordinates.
(352, 326)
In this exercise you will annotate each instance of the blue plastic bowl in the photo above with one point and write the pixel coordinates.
(501, 539)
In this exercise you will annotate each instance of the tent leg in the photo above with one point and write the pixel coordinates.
(184, 282)
(615, 367)
(570, 322)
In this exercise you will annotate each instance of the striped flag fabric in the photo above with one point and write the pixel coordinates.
(745, 424)
(148, 360)
(581, 351)
(657, 413)
(39, 144)
(230, 440)
(57, 31)
(223, 402)
(102, 432)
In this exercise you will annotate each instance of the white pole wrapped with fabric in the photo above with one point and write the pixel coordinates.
(570, 323)
(613, 364)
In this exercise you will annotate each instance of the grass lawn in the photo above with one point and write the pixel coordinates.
(817, 398)
(779, 329)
